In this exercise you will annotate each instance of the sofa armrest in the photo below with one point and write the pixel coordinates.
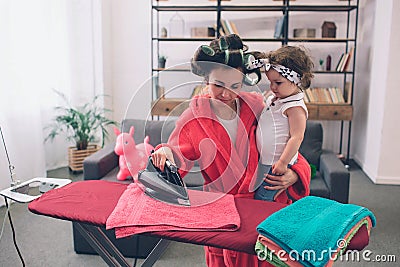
(336, 176)
(100, 163)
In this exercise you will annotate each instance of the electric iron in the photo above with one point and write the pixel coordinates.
(165, 186)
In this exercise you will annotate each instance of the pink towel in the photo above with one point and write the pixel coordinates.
(138, 213)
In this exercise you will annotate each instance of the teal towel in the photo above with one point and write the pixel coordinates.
(313, 226)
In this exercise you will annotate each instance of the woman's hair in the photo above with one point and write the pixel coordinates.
(295, 58)
(226, 50)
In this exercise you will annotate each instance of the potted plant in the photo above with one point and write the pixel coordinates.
(80, 124)
(321, 64)
(161, 61)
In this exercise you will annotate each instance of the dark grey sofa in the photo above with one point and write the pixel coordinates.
(331, 180)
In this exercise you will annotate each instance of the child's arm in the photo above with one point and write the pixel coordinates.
(297, 126)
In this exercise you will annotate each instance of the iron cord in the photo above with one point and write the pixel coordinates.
(13, 234)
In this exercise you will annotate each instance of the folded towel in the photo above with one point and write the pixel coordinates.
(268, 250)
(138, 213)
(273, 253)
(313, 224)
(264, 253)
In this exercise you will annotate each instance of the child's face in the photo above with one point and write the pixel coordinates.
(280, 86)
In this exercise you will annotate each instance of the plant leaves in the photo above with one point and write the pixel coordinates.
(80, 123)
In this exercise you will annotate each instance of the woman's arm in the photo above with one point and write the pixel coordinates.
(177, 149)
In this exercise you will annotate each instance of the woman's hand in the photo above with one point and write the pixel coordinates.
(282, 182)
(160, 156)
(279, 168)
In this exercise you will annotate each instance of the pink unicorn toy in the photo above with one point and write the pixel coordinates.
(132, 157)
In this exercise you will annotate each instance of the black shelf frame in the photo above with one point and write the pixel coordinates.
(285, 8)
(286, 40)
(260, 8)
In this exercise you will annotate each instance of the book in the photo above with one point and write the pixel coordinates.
(327, 95)
(279, 27)
(224, 27)
(317, 97)
(339, 95)
(340, 62)
(324, 95)
(309, 95)
(333, 95)
(344, 61)
(346, 64)
(347, 92)
(320, 95)
(305, 98)
(234, 28)
(229, 26)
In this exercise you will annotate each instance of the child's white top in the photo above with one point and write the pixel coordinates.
(273, 127)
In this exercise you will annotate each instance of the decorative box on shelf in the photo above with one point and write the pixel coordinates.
(328, 29)
(76, 157)
(304, 33)
(202, 32)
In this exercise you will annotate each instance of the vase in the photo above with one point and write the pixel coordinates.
(161, 63)
(176, 26)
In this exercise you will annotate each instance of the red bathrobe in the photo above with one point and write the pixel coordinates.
(229, 168)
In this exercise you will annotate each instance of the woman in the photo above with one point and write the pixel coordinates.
(218, 131)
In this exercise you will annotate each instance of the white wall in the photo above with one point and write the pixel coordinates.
(377, 131)
(362, 79)
(126, 38)
(391, 131)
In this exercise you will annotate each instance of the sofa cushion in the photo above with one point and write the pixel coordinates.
(311, 147)
(318, 186)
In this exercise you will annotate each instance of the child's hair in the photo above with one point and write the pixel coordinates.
(226, 50)
(295, 58)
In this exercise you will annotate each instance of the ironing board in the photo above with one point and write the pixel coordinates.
(89, 203)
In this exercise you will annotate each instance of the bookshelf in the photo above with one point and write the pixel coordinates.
(341, 74)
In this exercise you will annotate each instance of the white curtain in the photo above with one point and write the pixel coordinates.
(44, 45)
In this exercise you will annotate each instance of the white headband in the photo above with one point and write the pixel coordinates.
(288, 73)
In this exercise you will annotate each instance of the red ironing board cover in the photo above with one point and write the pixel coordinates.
(93, 201)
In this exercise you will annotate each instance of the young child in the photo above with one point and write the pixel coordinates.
(282, 123)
